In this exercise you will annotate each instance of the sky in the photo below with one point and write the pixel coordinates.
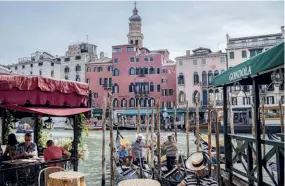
(27, 27)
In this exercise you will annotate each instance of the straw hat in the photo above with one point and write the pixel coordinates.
(196, 161)
(139, 182)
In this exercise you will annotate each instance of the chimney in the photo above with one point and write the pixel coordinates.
(187, 53)
(101, 55)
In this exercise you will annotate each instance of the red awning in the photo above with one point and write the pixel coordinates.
(47, 111)
(38, 90)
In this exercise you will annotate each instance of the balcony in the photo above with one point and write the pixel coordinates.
(141, 93)
(107, 86)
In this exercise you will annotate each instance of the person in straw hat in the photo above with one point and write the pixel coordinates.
(197, 162)
(171, 151)
(136, 151)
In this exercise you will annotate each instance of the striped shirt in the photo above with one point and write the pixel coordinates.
(137, 148)
(202, 181)
(171, 148)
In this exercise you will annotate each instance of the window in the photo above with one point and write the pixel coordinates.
(203, 61)
(196, 78)
(99, 69)
(23, 66)
(95, 95)
(282, 99)
(270, 99)
(52, 73)
(232, 55)
(132, 59)
(243, 54)
(77, 78)
(151, 87)
(181, 97)
(52, 64)
(115, 102)
(132, 102)
(88, 69)
(246, 88)
(31, 65)
(41, 64)
(78, 68)
(158, 88)
(123, 103)
(66, 59)
(196, 93)
(158, 70)
(110, 68)
(171, 92)
(210, 78)
(164, 71)
(100, 81)
(246, 101)
(216, 73)
(180, 63)
(181, 79)
(66, 69)
(116, 60)
(40, 72)
(255, 52)
(194, 61)
(66, 77)
(222, 59)
(131, 88)
(94, 69)
(117, 50)
(145, 70)
(151, 70)
(151, 59)
(115, 72)
(204, 78)
(31, 72)
(234, 101)
(87, 80)
(137, 59)
(16, 68)
(130, 49)
(116, 88)
(146, 59)
(132, 71)
(163, 80)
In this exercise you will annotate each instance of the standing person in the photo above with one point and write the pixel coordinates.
(11, 148)
(171, 151)
(27, 149)
(54, 153)
(197, 162)
(136, 151)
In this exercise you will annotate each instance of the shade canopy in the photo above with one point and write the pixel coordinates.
(47, 111)
(266, 61)
(36, 90)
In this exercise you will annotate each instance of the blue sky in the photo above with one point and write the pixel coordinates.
(26, 27)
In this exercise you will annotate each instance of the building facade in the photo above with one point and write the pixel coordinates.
(240, 49)
(194, 76)
(40, 63)
(135, 75)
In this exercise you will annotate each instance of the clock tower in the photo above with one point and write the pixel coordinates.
(135, 36)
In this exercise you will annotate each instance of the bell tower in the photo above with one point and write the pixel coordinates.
(135, 36)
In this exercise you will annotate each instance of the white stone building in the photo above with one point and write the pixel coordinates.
(195, 74)
(40, 63)
(73, 63)
(240, 49)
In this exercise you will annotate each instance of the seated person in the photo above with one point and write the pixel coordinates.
(122, 153)
(11, 148)
(53, 152)
(27, 149)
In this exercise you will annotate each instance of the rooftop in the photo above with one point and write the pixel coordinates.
(255, 37)
(101, 61)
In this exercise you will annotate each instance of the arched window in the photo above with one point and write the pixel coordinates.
(66, 69)
(204, 78)
(78, 68)
(88, 69)
(151, 70)
(116, 72)
(115, 102)
(216, 73)
(181, 97)
(217, 95)
(142, 102)
(181, 79)
(196, 93)
(211, 94)
(132, 102)
(116, 88)
(151, 101)
(222, 71)
(131, 88)
(210, 78)
(146, 102)
(196, 78)
(123, 103)
(137, 102)
(145, 70)
(132, 71)
(205, 97)
(151, 87)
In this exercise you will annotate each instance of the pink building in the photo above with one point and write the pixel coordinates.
(135, 75)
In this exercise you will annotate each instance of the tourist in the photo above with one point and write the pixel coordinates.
(171, 151)
(197, 162)
(53, 152)
(27, 149)
(11, 148)
(122, 154)
(136, 151)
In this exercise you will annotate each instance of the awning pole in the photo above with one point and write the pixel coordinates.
(187, 130)
(112, 177)
(103, 183)
(75, 142)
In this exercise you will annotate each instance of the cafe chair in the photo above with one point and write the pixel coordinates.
(47, 171)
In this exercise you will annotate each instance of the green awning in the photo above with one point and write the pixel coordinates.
(265, 61)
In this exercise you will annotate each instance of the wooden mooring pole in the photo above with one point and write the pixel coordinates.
(209, 135)
(197, 125)
(263, 127)
(146, 136)
(152, 136)
(139, 120)
(187, 130)
(281, 116)
(174, 123)
(217, 125)
(103, 182)
(112, 177)
(158, 137)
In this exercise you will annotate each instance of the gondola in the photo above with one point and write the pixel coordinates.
(270, 135)
(132, 171)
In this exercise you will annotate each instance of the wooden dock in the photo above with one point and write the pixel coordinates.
(240, 180)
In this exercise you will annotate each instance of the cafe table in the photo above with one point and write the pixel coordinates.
(66, 178)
